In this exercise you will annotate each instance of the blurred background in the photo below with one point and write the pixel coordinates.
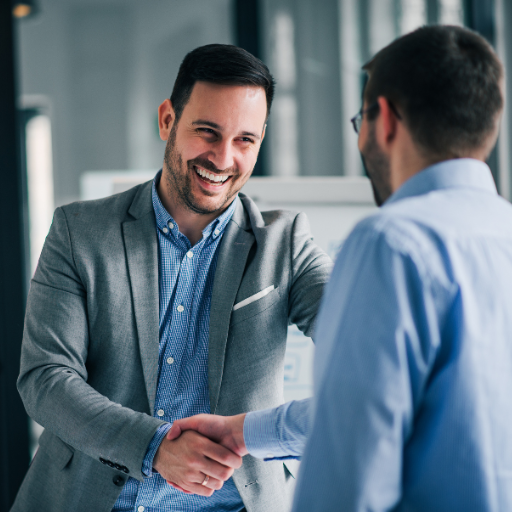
(82, 81)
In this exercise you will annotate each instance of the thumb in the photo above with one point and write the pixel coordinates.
(174, 432)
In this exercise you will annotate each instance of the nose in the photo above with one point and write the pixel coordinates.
(222, 155)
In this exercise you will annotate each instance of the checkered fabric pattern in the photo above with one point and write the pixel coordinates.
(186, 277)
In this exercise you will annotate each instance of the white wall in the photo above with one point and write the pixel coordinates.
(103, 67)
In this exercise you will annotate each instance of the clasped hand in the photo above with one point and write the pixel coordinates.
(200, 446)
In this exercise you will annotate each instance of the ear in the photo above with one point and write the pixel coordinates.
(166, 119)
(386, 123)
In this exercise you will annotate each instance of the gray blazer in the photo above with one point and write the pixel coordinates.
(89, 363)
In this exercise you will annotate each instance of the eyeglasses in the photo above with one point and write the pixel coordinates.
(357, 120)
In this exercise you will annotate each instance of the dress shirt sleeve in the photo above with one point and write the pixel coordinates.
(278, 433)
(158, 437)
(378, 333)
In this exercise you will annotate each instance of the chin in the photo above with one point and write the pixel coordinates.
(207, 207)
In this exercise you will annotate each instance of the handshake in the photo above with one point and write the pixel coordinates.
(201, 452)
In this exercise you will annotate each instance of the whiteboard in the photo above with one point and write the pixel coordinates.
(333, 206)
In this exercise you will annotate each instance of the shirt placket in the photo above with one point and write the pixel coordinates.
(175, 351)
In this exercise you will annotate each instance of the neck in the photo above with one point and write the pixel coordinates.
(191, 223)
(406, 160)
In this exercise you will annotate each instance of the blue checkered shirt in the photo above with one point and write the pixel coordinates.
(186, 277)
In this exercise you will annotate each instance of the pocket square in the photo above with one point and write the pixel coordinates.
(253, 298)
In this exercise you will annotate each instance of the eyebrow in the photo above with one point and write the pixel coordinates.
(215, 126)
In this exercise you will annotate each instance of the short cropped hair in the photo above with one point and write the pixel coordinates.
(446, 82)
(223, 64)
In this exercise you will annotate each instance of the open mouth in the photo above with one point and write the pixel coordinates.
(210, 178)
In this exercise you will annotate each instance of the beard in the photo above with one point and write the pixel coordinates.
(179, 179)
(377, 168)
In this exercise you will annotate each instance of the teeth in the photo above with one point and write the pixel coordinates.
(211, 177)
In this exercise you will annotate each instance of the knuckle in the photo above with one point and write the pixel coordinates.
(226, 473)
(225, 459)
(188, 475)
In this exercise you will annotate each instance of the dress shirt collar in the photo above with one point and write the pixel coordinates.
(168, 226)
(456, 173)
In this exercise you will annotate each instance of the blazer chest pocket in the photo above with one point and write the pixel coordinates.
(59, 452)
(255, 304)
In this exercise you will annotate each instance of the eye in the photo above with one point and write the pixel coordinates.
(207, 131)
(247, 139)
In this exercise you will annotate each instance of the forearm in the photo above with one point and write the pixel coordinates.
(86, 420)
(54, 388)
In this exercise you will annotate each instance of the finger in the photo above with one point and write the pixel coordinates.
(201, 490)
(222, 455)
(179, 426)
(194, 488)
(176, 486)
(213, 484)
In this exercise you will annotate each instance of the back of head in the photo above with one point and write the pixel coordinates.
(447, 83)
(222, 64)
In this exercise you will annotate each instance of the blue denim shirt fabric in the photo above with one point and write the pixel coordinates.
(186, 276)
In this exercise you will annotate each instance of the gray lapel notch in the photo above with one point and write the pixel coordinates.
(141, 245)
(233, 252)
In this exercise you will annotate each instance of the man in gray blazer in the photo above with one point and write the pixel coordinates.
(168, 300)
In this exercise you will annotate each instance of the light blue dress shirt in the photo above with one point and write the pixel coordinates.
(278, 433)
(186, 277)
(413, 366)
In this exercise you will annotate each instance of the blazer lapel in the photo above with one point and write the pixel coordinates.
(233, 252)
(141, 245)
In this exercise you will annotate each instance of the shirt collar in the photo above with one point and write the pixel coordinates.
(456, 173)
(166, 223)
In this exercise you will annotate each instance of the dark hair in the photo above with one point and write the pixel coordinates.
(220, 64)
(445, 81)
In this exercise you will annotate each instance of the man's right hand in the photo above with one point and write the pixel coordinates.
(186, 461)
(226, 430)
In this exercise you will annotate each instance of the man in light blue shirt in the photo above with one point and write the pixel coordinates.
(414, 358)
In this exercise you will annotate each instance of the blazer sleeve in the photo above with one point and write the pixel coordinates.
(310, 268)
(53, 375)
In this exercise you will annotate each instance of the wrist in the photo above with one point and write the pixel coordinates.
(238, 434)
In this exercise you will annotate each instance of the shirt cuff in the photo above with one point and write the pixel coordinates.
(158, 437)
(278, 433)
(260, 434)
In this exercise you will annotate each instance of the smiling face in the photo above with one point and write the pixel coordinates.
(212, 149)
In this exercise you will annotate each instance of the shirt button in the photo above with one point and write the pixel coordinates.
(269, 456)
(180, 308)
(118, 480)
(170, 360)
(140, 509)
(190, 254)
(160, 412)
(216, 232)
(165, 230)
(171, 225)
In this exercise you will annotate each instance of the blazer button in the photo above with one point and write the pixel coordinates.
(103, 461)
(118, 467)
(124, 469)
(110, 464)
(118, 480)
